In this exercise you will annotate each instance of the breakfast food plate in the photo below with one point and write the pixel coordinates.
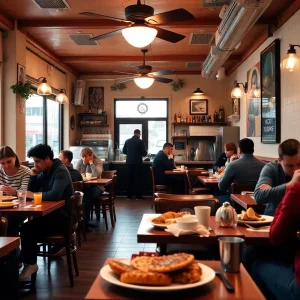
(8, 198)
(8, 204)
(207, 276)
(267, 220)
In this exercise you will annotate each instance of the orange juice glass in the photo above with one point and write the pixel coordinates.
(37, 198)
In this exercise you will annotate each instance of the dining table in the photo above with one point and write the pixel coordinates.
(244, 288)
(247, 201)
(8, 244)
(211, 182)
(99, 181)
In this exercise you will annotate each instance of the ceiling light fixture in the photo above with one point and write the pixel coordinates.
(291, 60)
(139, 35)
(44, 88)
(61, 97)
(198, 92)
(143, 82)
(237, 91)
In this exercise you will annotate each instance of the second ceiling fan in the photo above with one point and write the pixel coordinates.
(142, 24)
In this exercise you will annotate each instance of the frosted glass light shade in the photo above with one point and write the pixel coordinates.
(62, 98)
(291, 62)
(236, 93)
(44, 88)
(139, 36)
(143, 82)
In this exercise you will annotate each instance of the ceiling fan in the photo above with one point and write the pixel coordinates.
(143, 77)
(142, 29)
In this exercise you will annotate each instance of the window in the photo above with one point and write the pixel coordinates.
(43, 123)
(148, 115)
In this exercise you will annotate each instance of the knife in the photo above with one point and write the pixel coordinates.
(227, 284)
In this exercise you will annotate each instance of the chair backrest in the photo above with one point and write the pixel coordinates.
(3, 226)
(25, 163)
(189, 181)
(108, 174)
(112, 193)
(164, 205)
(153, 181)
(77, 186)
(237, 188)
(74, 213)
(183, 197)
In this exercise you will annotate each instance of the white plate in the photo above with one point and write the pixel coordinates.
(207, 276)
(8, 204)
(268, 220)
(8, 198)
(92, 178)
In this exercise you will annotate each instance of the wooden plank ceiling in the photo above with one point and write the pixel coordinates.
(51, 29)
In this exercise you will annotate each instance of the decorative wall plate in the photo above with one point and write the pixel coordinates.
(72, 122)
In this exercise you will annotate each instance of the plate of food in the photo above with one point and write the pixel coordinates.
(9, 198)
(251, 217)
(163, 273)
(167, 218)
(8, 204)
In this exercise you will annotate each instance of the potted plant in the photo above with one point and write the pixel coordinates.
(177, 85)
(22, 89)
(118, 87)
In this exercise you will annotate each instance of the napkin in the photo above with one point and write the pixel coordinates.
(201, 230)
(259, 230)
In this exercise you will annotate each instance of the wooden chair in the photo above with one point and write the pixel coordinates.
(107, 203)
(78, 186)
(3, 226)
(25, 163)
(237, 188)
(158, 188)
(67, 239)
(195, 190)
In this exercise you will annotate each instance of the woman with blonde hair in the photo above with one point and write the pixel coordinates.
(229, 154)
(90, 163)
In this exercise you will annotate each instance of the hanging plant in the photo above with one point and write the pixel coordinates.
(22, 89)
(177, 85)
(118, 87)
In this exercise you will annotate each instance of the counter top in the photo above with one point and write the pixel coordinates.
(178, 162)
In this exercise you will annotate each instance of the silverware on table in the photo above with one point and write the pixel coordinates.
(257, 228)
(227, 284)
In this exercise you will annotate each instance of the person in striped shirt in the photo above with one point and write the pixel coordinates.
(13, 176)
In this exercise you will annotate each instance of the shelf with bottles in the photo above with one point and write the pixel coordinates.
(201, 123)
(92, 120)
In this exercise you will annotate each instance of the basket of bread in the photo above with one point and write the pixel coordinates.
(250, 215)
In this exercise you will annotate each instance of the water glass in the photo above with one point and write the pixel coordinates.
(182, 167)
(22, 194)
(210, 173)
(37, 198)
(88, 176)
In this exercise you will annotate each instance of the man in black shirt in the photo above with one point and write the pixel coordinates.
(66, 157)
(135, 149)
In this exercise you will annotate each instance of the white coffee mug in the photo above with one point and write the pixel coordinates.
(202, 214)
(88, 176)
(182, 167)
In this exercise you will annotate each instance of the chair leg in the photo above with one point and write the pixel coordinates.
(83, 230)
(105, 215)
(92, 210)
(75, 263)
(49, 263)
(114, 211)
(69, 262)
(78, 235)
(111, 216)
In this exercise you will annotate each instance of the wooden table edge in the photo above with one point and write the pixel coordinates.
(13, 244)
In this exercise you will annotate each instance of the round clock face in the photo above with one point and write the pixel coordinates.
(142, 108)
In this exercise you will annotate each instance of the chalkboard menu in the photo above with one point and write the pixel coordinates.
(179, 145)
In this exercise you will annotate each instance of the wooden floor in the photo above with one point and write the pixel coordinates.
(118, 242)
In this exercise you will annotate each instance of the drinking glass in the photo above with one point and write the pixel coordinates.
(22, 194)
(88, 176)
(210, 173)
(37, 198)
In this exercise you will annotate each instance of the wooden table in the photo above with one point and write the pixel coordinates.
(147, 233)
(8, 244)
(99, 181)
(30, 210)
(245, 288)
(246, 201)
(182, 173)
(209, 182)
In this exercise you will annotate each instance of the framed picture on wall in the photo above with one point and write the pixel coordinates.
(21, 74)
(96, 98)
(270, 93)
(198, 107)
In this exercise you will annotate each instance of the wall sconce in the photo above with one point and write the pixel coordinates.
(291, 60)
(61, 97)
(198, 92)
(237, 92)
(44, 88)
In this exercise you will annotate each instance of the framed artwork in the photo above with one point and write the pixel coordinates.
(96, 98)
(253, 102)
(235, 106)
(198, 107)
(21, 74)
(270, 93)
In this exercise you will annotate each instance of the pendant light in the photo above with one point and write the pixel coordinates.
(143, 82)
(61, 97)
(237, 91)
(198, 92)
(139, 35)
(44, 88)
(291, 60)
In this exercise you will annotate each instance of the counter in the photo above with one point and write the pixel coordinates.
(179, 162)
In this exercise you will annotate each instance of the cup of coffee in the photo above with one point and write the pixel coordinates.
(88, 176)
(182, 168)
(202, 214)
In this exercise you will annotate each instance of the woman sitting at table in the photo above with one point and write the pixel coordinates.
(278, 274)
(229, 154)
(90, 163)
(13, 177)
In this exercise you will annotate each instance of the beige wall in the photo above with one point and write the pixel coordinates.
(290, 88)
(215, 92)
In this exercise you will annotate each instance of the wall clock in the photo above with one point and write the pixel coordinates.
(142, 108)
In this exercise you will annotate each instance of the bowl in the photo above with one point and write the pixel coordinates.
(187, 224)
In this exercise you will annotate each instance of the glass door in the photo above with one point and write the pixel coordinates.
(126, 132)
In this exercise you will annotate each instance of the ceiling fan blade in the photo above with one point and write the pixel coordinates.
(167, 35)
(179, 14)
(163, 72)
(162, 80)
(89, 14)
(106, 35)
(125, 80)
(134, 74)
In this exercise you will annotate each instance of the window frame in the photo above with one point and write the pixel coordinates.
(143, 121)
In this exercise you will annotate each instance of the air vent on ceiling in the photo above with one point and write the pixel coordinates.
(201, 38)
(83, 39)
(214, 3)
(193, 65)
(52, 4)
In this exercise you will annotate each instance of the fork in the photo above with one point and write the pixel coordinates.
(227, 284)
(257, 228)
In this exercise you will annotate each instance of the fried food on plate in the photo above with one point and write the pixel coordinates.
(250, 215)
(118, 267)
(142, 262)
(146, 278)
(168, 215)
(190, 274)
